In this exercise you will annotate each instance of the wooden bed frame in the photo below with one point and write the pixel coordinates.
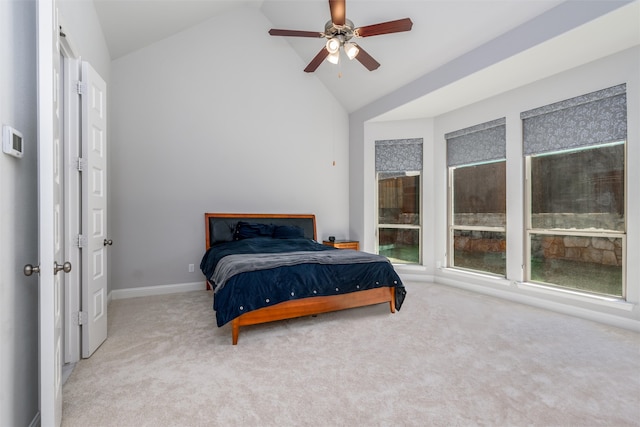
(304, 306)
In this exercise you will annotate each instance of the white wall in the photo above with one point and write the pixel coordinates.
(217, 120)
(18, 218)
(80, 23)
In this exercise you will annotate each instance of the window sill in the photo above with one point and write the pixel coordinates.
(488, 277)
(497, 282)
(413, 272)
(601, 300)
(413, 268)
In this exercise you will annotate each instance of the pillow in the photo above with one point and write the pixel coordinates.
(249, 230)
(287, 232)
(222, 232)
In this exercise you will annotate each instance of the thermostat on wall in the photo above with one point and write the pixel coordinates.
(12, 141)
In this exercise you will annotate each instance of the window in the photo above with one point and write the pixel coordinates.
(399, 176)
(477, 198)
(399, 216)
(575, 161)
(478, 223)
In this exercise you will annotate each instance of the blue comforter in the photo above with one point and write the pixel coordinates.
(249, 279)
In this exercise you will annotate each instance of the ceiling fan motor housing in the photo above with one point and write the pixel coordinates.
(346, 31)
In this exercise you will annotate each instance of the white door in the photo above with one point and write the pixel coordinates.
(50, 221)
(71, 131)
(94, 210)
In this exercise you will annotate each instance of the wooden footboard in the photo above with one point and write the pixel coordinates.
(313, 305)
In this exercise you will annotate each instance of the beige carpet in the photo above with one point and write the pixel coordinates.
(449, 358)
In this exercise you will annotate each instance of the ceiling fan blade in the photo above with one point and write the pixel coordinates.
(338, 11)
(366, 59)
(294, 33)
(315, 62)
(397, 26)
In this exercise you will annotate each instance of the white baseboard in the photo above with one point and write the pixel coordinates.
(146, 291)
(567, 307)
(407, 277)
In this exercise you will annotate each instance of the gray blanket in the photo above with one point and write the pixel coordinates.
(231, 265)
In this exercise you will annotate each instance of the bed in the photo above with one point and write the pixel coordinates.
(268, 267)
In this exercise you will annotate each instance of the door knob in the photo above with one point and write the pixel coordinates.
(108, 242)
(66, 267)
(30, 269)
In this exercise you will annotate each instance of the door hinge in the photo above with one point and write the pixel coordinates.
(83, 318)
(82, 163)
(82, 241)
(81, 88)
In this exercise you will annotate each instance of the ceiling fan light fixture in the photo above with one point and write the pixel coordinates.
(351, 49)
(334, 57)
(333, 45)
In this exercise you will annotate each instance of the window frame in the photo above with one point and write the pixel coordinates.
(529, 231)
(452, 227)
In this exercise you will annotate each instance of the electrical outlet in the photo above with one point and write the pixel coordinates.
(191, 268)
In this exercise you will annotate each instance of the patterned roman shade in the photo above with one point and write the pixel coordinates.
(399, 155)
(595, 118)
(485, 142)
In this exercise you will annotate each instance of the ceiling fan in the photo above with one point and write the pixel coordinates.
(339, 31)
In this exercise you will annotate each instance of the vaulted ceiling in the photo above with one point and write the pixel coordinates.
(443, 31)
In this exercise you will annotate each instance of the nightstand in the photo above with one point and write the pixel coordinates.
(343, 244)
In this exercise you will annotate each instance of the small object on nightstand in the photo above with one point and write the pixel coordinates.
(332, 238)
(343, 244)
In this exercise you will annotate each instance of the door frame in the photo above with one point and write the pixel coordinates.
(72, 202)
(50, 368)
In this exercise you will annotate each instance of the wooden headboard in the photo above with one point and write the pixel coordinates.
(220, 226)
